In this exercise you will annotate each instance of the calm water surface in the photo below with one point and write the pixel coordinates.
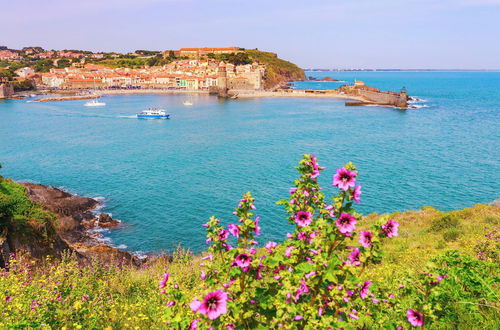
(164, 178)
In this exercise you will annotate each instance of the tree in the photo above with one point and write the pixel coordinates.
(63, 63)
(43, 65)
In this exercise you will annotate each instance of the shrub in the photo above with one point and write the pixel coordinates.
(452, 235)
(446, 221)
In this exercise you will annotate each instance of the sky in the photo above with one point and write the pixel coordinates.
(433, 34)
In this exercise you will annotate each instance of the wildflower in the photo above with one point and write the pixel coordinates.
(214, 304)
(303, 288)
(243, 260)
(301, 236)
(292, 191)
(316, 167)
(230, 326)
(354, 257)
(303, 218)
(209, 257)
(356, 193)
(311, 274)
(171, 303)
(288, 251)
(346, 223)
(363, 293)
(223, 234)
(234, 230)
(344, 179)
(194, 324)
(8, 299)
(365, 238)
(270, 246)
(415, 318)
(195, 304)
(298, 317)
(203, 275)
(353, 315)
(438, 279)
(390, 228)
(163, 281)
(257, 228)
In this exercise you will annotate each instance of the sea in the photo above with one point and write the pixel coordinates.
(165, 178)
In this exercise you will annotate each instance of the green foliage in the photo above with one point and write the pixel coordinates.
(23, 85)
(233, 58)
(452, 234)
(148, 52)
(7, 74)
(63, 63)
(43, 65)
(20, 215)
(447, 221)
(124, 62)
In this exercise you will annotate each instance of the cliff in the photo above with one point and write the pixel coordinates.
(40, 220)
(278, 71)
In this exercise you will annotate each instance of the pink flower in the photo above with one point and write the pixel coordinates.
(195, 304)
(363, 293)
(365, 238)
(270, 246)
(346, 223)
(288, 251)
(243, 260)
(234, 230)
(303, 218)
(354, 257)
(8, 299)
(292, 191)
(298, 317)
(415, 318)
(344, 179)
(257, 228)
(171, 303)
(438, 279)
(390, 228)
(203, 275)
(303, 288)
(163, 281)
(223, 234)
(194, 324)
(214, 304)
(356, 193)
(208, 257)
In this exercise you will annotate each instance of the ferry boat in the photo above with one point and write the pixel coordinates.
(154, 114)
(94, 103)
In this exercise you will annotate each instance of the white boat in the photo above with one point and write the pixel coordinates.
(94, 103)
(187, 103)
(153, 114)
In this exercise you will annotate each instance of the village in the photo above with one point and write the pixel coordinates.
(193, 69)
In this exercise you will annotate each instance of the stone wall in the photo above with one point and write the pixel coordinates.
(6, 91)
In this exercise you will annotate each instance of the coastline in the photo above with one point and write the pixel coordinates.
(78, 221)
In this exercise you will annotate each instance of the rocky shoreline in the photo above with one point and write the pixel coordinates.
(76, 223)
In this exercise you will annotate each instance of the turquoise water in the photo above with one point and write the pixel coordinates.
(164, 178)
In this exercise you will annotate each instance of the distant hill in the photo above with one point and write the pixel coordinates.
(278, 71)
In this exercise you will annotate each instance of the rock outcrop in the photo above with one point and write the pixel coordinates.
(75, 223)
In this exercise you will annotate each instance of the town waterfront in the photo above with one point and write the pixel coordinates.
(165, 178)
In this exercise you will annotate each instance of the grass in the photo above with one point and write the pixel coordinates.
(63, 294)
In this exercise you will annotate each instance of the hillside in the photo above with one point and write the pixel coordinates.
(278, 71)
(463, 246)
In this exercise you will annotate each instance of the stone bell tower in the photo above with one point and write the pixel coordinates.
(222, 80)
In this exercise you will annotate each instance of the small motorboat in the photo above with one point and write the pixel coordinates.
(187, 103)
(153, 114)
(94, 103)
